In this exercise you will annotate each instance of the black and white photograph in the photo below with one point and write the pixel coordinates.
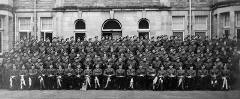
(119, 49)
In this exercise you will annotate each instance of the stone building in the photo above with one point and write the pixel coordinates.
(90, 18)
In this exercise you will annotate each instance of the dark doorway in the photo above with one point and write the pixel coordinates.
(80, 36)
(202, 35)
(179, 35)
(112, 28)
(143, 35)
(23, 35)
(48, 36)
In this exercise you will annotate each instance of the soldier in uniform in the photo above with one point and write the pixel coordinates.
(23, 73)
(120, 77)
(109, 79)
(13, 78)
(68, 77)
(225, 73)
(190, 78)
(181, 78)
(87, 75)
(51, 79)
(162, 73)
(59, 77)
(78, 77)
(32, 77)
(202, 78)
(151, 73)
(141, 73)
(130, 77)
(97, 73)
(42, 77)
(171, 72)
(214, 73)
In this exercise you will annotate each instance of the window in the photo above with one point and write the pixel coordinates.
(179, 35)
(1, 23)
(226, 19)
(0, 42)
(178, 22)
(46, 23)
(25, 23)
(200, 23)
(80, 24)
(143, 24)
(238, 19)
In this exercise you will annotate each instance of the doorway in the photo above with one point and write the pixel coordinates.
(80, 36)
(112, 28)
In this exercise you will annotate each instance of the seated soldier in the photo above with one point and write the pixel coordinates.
(181, 78)
(203, 78)
(161, 83)
(23, 73)
(109, 80)
(214, 73)
(171, 78)
(130, 77)
(59, 77)
(78, 77)
(190, 78)
(51, 79)
(97, 73)
(68, 77)
(120, 78)
(32, 77)
(42, 77)
(225, 73)
(87, 75)
(151, 73)
(141, 80)
(13, 80)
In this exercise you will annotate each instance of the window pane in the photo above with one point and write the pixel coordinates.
(1, 23)
(25, 23)
(178, 22)
(46, 23)
(200, 23)
(238, 18)
(226, 20)
(0, 42)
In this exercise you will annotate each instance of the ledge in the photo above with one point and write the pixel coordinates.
(6, 7)
(225, 4)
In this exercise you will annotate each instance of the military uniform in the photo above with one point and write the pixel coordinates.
(181, 79)
(97, 73)
(214, 73)
(87, 75)
(68, 78)
(32, 78)
(203, 79)
(109, 79)
(141, 80)
(171, 78)
(42, 78)
(151, 73)
(78, 78)
(120, 78)
(13, 76)
(23, 74)
(51, 79)
(161, 83)
(131, 78)
(190, 80)
(59, 77)
(226, 77)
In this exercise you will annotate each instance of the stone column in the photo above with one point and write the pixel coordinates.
(218, 25)
(5, 34)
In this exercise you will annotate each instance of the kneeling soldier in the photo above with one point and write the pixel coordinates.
(97, 73)
(120, 77)
(109, 73)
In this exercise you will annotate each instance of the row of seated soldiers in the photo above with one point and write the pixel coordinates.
(120, 79)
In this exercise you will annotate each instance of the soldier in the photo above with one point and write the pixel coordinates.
(13, 78)
(97, 73)
(181, 78)
(68, 77)
(109, 79)
(141, 73)
(226, 73)
(120, 77)
(171, 77)
(161, 78)
(51, 79)
(78, 77)
(151, 73)
(87, 75)
(59, 76)
(190, 80)
(42, 77)
(23, 73)
(130, 77)
(202, 78)
(32, 77)
(214, 73)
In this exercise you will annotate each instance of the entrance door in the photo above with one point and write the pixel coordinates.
(23, 35)
(112, 29)
(46, 36)
(80, 36)
(143, 35)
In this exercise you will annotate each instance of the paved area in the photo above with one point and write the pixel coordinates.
(114, 94)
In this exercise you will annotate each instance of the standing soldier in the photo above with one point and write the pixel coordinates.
(68, 79)
(42, 76)
(87, 74)
(171, 78)
(32, 77)
(59, 76)
(97, 73)
(203, 78)
(190, 80)
(225, 78)
(109, 73)
(162, 73)
(120, 77)
(51, 81)
(141, 73)
(78, 77)
(181, 80)
(151, 73)
(23, 73)
(214, 73)
(13, 78)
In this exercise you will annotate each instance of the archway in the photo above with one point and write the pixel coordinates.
(143, 29)
(112, 28)
(80, 29)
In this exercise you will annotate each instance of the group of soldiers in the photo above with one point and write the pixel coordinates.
(126, 63)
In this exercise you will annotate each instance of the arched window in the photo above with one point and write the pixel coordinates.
(143, 24)
(80, 24)
(111, 24)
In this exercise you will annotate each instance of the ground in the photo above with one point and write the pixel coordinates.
(115, 94)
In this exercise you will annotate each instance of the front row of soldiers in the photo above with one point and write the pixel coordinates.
(139, 79)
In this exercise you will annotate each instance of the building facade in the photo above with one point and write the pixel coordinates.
(144, 18)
